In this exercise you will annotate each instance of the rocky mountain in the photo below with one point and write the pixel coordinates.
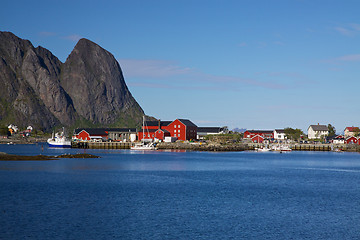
(39, 90)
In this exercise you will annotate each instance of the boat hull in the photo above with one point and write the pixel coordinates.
(59, 145)
(142, 146)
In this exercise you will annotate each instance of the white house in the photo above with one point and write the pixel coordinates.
(317, 131)
(279, 134)
(338, 140)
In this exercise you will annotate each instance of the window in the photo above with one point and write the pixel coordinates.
(175, 130)
(174, 135)
(178, 126)
(175, 126)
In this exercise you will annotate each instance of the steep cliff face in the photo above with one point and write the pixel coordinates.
(41, 70)
(93, 79)
(37, 89)
(19, 101)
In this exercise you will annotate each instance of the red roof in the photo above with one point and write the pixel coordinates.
(352, 129)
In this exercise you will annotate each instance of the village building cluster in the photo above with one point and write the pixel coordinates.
(167, 131)
(186, 130)
(13, 129)
(315, 132)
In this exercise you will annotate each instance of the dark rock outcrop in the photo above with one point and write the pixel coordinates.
(93, 79)
(38, 89)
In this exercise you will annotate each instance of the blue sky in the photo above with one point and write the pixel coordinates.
(254, 64)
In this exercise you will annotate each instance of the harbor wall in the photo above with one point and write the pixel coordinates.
(102, 145)
(311, 147)
(218, 147)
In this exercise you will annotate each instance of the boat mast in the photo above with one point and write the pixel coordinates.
(143, 127)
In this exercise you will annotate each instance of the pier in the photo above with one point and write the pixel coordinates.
(306, 147)
(218, 147)
(102, 145)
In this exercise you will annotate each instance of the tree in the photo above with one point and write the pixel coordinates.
(293, 134)
(356, 132)
(332, 130)
(4, 131)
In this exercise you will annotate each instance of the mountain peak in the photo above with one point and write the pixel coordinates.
(41, 91)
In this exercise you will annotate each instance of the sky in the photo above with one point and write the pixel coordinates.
(253, 64)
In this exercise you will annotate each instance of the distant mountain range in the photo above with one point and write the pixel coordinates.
(87, 90)
(239, 130)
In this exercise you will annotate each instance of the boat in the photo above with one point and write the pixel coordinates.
(337, 150)
(263, 149)
(281, 148)
(144, 145)
(59, 140)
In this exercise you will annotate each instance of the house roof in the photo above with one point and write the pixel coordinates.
(280, 130)
(209, 129)
(258, 136)
(187, 122)
(352, 137)
(337, 137)
(319, 127)
(163, 130)
(92, 131)
(156, 123)
(352, 129)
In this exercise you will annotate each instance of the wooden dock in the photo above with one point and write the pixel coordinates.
(312, 147)
(305, 147)
(252, 146)
(102, 145)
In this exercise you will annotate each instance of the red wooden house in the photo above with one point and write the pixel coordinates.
(151, 134)
(257, 139)
(265, 134)
(352, 140)
(87, 134)
(182, 129)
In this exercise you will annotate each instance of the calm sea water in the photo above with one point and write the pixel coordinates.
(180, 195)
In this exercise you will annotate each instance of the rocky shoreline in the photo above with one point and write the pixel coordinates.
(23, 140)
(213, 147)
(12, 157)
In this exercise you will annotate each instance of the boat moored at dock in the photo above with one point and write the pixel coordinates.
(59, 140)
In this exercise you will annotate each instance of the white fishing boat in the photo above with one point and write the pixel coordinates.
(263, 149)
(59, 140)
(145, 144)
(281, 148)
